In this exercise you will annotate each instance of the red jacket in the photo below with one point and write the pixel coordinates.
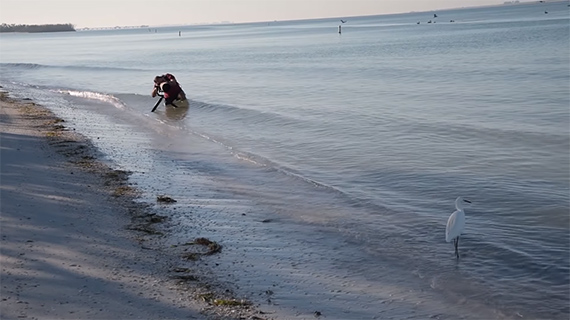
(173, 89)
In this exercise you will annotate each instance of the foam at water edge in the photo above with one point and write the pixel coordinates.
(95, 96)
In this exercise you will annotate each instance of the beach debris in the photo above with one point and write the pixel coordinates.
(124, 190)
(210, 298)
(145, 223)
(207, 297)
(53, 134)
(165, 199)
(231, 302)
(185, 277)
(155, 218)
(193, 256)
(54, 123)
(213, 247)
(118, 174)
(146, 229)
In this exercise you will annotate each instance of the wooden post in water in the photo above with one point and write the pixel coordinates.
(339, 29)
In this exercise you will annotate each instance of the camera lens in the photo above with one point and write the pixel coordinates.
(164, 87)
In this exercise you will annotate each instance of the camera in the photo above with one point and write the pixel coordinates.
(164, 87)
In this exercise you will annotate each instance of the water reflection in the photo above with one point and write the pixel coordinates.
(179, 112)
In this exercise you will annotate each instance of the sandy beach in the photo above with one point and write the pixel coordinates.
(75, 244)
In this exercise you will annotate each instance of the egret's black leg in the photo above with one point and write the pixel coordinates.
(456, 245)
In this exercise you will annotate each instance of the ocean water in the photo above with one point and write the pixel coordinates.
(327, 164)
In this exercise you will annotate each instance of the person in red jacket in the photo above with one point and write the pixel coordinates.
(169, 87)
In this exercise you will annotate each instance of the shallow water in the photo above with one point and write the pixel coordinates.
(351, 148)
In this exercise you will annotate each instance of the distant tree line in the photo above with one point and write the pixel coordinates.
(36, 28)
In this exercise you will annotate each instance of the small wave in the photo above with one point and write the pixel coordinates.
(251, 116)
(95, 96)
(22, 65)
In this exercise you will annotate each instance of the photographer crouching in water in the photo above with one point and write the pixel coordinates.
(167, 87)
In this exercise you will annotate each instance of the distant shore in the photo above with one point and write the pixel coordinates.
(34, 28)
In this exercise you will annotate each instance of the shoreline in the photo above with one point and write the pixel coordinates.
(76, 244)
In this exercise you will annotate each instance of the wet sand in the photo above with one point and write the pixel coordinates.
(76, 245)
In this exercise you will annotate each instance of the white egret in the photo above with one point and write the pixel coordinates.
(455, 223)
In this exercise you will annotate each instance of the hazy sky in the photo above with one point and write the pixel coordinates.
(108, 13)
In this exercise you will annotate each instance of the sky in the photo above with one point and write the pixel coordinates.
(110, 13)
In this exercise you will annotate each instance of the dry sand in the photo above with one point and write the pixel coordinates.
(75, 244)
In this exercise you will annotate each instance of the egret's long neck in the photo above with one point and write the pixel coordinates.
(458, 204)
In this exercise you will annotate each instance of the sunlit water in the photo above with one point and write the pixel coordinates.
(327, 164)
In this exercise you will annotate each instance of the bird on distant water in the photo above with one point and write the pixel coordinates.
(343, 21)
(455, 223)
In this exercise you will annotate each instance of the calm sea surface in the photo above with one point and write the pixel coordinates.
(327, 164)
